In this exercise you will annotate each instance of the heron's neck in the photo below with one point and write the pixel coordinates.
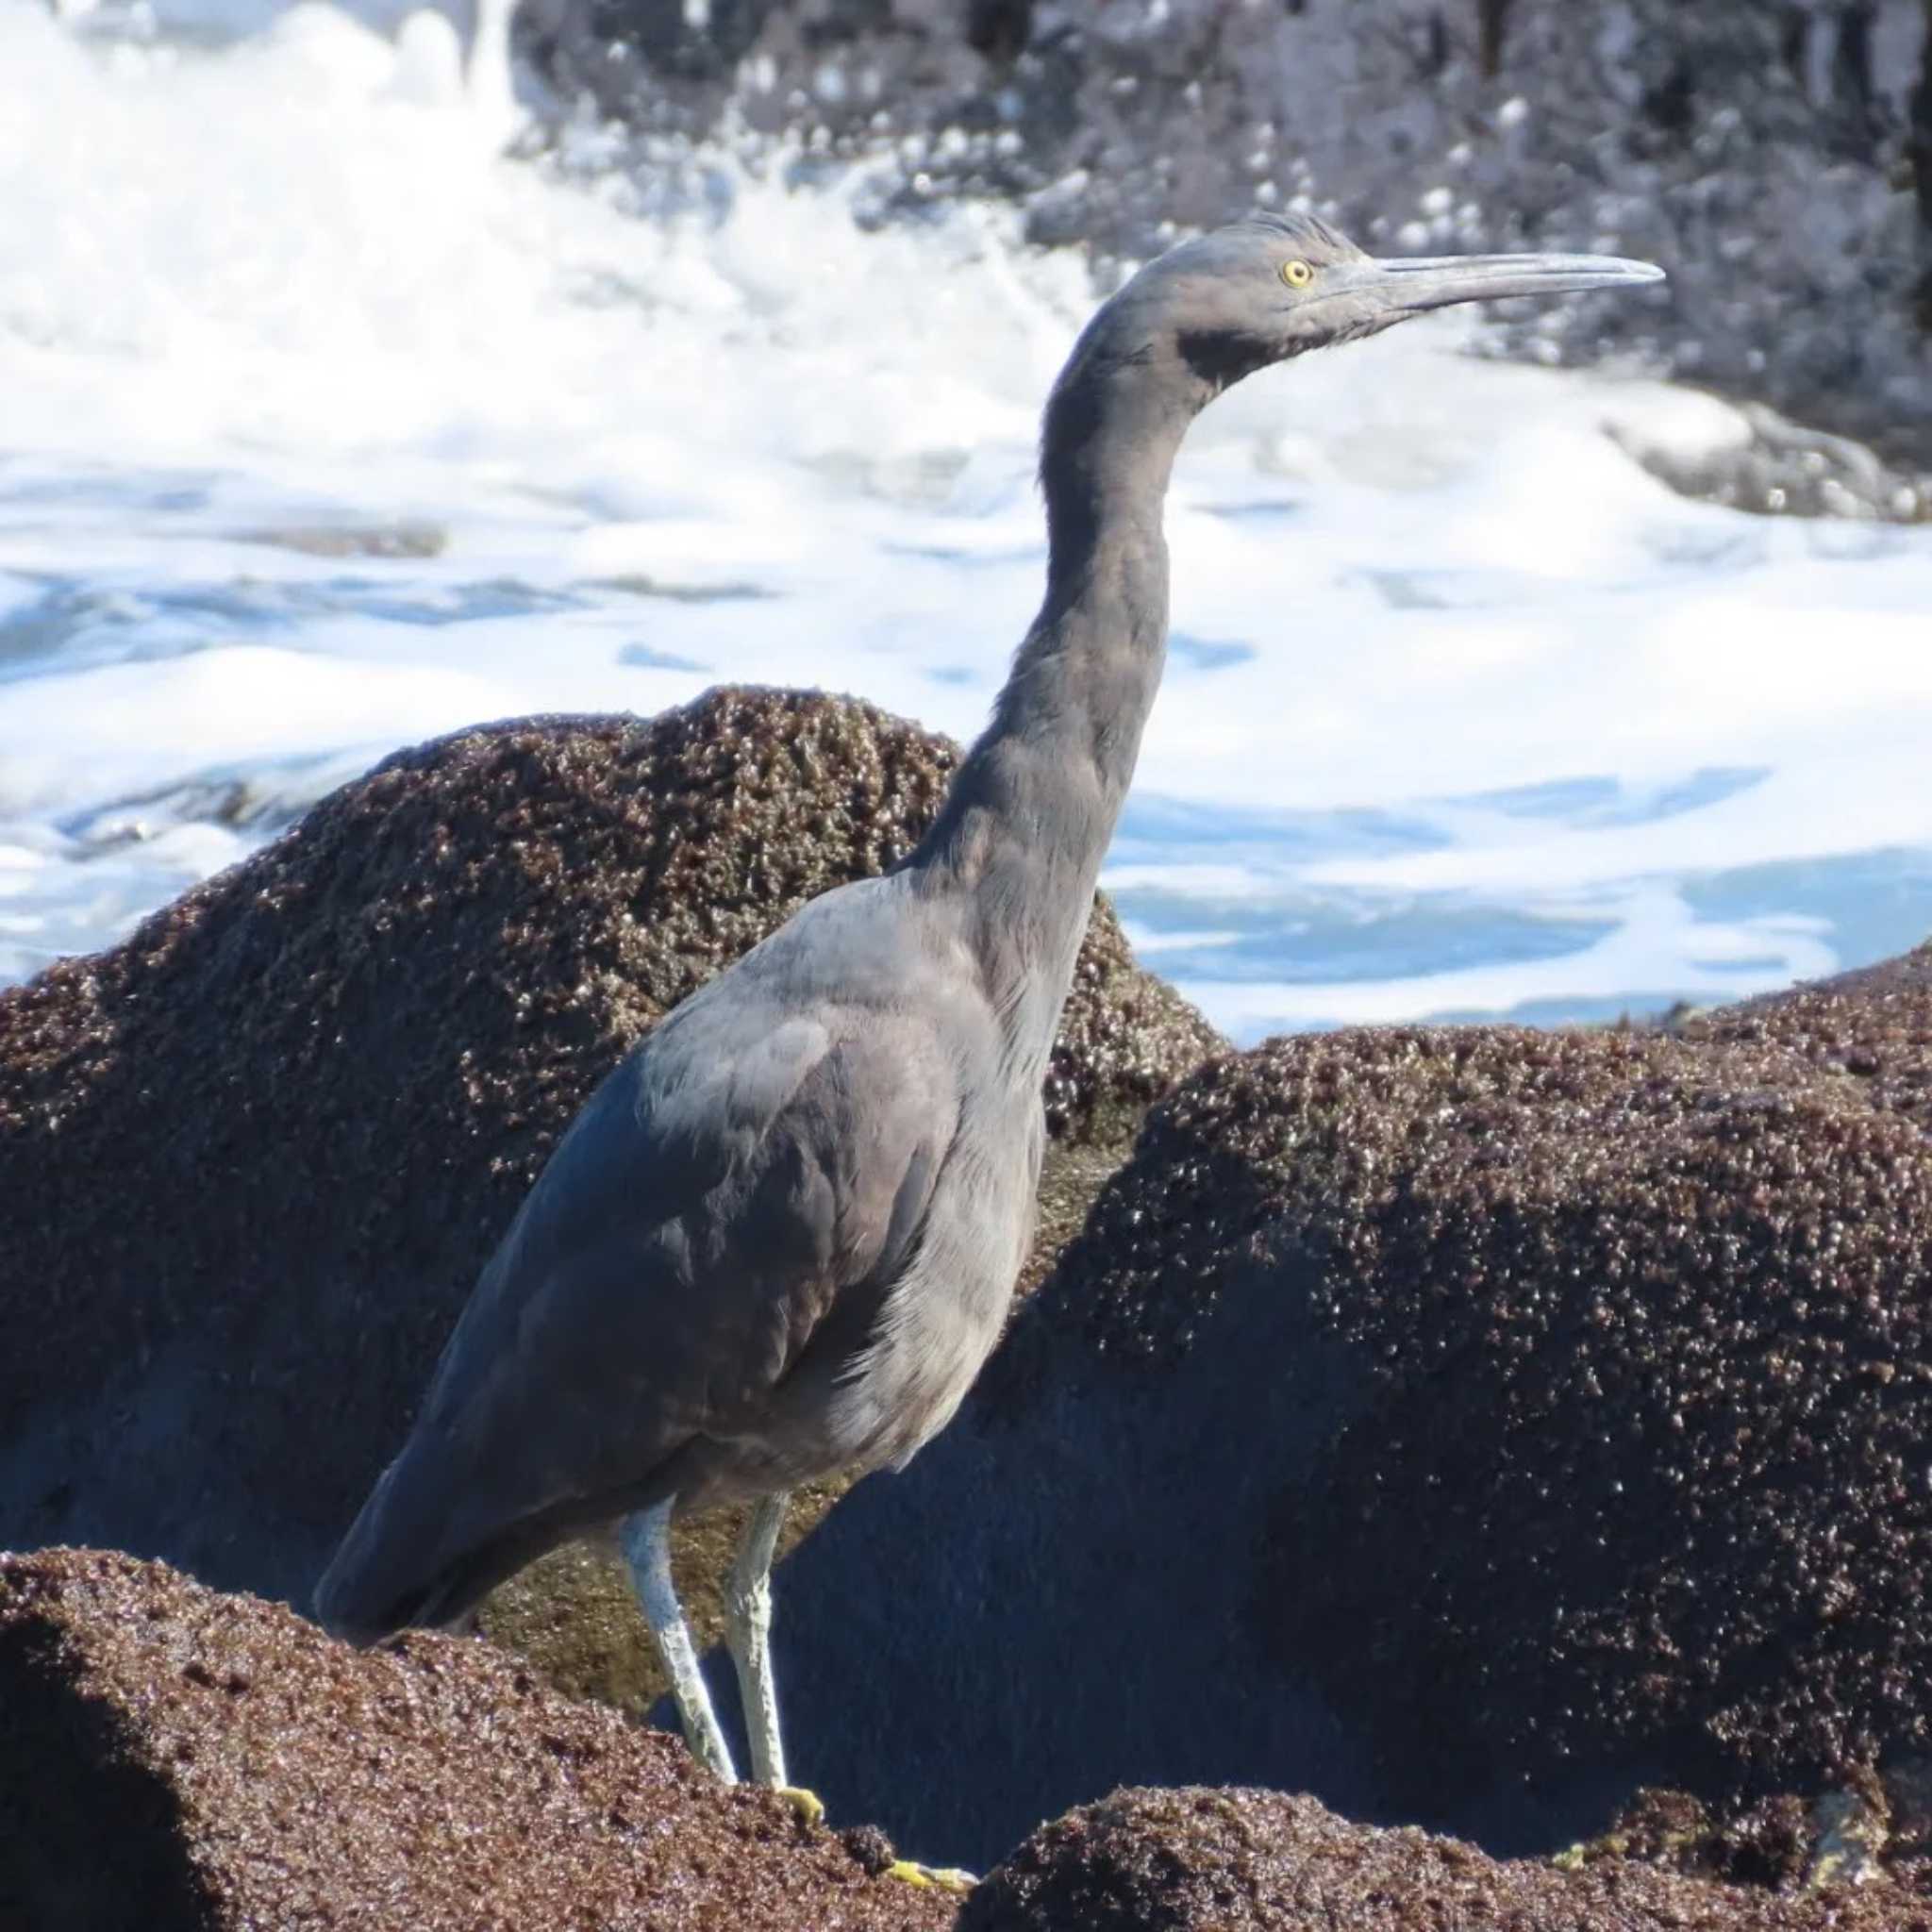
(1032, 808)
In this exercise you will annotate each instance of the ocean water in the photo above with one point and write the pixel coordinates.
(324, 428)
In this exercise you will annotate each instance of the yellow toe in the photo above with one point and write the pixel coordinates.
(808, 1804)
(938, 1878)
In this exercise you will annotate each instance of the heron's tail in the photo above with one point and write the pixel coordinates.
(425, 1550)
(408, 1559)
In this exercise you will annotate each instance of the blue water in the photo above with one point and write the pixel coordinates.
(346, 430)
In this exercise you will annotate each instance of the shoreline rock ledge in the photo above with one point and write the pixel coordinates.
(179, 1760)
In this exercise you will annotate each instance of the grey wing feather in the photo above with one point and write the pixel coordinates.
(742, 1191)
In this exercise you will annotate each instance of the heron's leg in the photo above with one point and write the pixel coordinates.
(645, 1538)
(748, 1632)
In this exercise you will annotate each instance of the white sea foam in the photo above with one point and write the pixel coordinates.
(1465, 713)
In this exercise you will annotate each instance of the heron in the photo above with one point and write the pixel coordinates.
(782, 1237)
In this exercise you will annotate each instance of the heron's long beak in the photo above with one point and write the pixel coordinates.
(1418, 282)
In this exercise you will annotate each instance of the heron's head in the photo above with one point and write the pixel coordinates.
(1262, 289)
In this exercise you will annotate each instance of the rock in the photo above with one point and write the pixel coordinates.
(1257, 1861)
(1766, 1845)
(265, 1143)
(1782, 468)
(1874, 1024)
(179, 1759)
(1468, 1425)
(1877, 1825)
(1772, 158)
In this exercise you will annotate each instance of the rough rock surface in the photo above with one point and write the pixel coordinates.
(1257, 1861)
(182, 1761)
(1875, 1824)
(176, 1760)
(1874, 1024)
(1469, 1426)
(1777, 159)
(263, 1145)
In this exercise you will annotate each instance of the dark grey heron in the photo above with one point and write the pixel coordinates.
(780, 1240)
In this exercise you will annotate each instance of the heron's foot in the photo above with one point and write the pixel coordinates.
(808, 1804)
(935, 1877)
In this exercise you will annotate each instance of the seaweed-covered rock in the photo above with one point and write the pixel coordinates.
(253, 1156)
(1257, 1861)
(1648, 1335)
(176, 1760)
(1470, 1426)
(1873, 1023)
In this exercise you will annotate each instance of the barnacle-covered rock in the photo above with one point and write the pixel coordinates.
(1646, 1335)
(1260, 1861)
(180, 1761)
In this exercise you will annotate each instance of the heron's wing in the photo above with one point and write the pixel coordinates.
(711, 1211)
(742, 1183)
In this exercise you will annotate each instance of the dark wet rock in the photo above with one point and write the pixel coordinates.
(179, 1759)
(1258, 1861)
(1782, 468)
(1772, 158)
(1877, 1824)
(1646, 1335)
(260, 1149)
(1767, 1844)
(1468, 1425)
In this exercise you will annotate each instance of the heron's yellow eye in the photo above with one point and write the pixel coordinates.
(1297, 274)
